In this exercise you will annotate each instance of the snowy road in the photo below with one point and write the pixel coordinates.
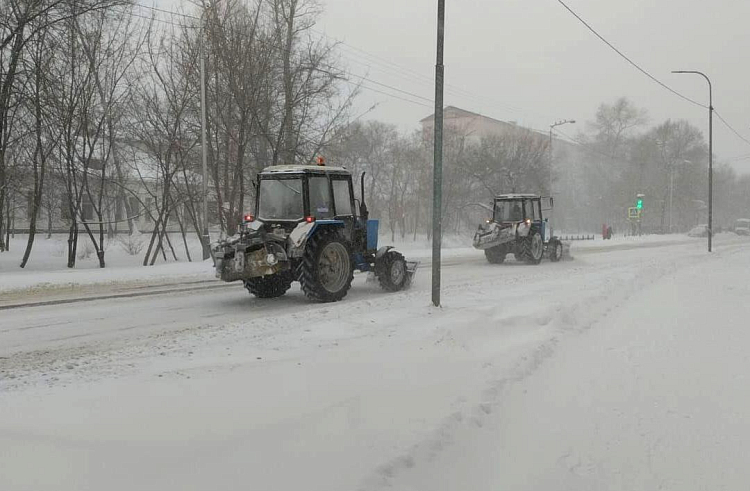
(215, 390)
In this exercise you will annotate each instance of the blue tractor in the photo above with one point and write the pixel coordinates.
(308, 227)
(519, 225)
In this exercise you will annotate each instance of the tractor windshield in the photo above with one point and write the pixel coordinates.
(508, 211)
(280, 199)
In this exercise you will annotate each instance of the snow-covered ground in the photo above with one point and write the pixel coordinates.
(622, 369)
(47, 274)
(47, 269)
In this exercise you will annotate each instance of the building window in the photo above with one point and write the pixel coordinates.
(135, 206)
(30, 206)
(213, 212)
(65, 210)
(87, 210)
(118, 210)
(186, 211)
(149, 209)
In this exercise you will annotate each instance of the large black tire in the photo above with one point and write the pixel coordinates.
(326, 271)
(496, 255)
(269, 286)
(532, 248)
(391, 272)
(555, 250)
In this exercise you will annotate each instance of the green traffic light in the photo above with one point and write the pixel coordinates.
(639, 204)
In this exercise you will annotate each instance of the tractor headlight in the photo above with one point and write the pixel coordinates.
(271, 259)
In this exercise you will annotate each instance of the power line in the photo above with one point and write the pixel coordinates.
(392, 88)
(164, 11)
(381, 63)
(177, 24)
(386, 93)
(156, 19)
(628, 59)
(730, 127)
(408, 73)
(584, 145)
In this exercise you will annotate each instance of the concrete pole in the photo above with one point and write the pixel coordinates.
(205, 239)
(437, 189)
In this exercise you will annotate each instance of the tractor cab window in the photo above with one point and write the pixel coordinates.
(342, 197)
(532, 210)
(320, 197)
(508, 211)
(280, 199)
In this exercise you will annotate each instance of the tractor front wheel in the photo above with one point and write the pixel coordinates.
(326, 271)
(269, 286)
(532, 248)
(556, 251)
(391, 271)
(496, 255)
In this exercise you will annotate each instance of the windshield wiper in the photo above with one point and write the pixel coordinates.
(289, 187)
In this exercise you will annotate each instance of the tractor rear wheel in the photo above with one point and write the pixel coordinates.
(268, 286)
(496, 255)
(532, 248)
(326, 271)
(391, 271)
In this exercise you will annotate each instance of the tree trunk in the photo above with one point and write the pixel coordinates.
(39, 169)
(288, 122)
(72, 243)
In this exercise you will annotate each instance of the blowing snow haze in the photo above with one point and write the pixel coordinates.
(531, 61)
(225, 263)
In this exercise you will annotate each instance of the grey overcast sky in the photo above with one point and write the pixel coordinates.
(532, 62)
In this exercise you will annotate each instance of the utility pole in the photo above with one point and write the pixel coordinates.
(671, 194)
(551, 127)
(437, 173)
(205, 239)
(710, 152)
(551, 155)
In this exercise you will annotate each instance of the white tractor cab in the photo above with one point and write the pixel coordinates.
(520, 225)
(742, 226)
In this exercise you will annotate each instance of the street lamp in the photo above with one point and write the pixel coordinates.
(710, 152)
(551, 127)
(205, 239)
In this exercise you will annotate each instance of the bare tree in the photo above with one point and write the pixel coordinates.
(21, 21)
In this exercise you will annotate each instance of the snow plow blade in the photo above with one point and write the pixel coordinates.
(566, 256)
(491, 236)
(411, 271)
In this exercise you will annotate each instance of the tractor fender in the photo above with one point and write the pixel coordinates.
(298, 237)
(523, 229)
(382, 252)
